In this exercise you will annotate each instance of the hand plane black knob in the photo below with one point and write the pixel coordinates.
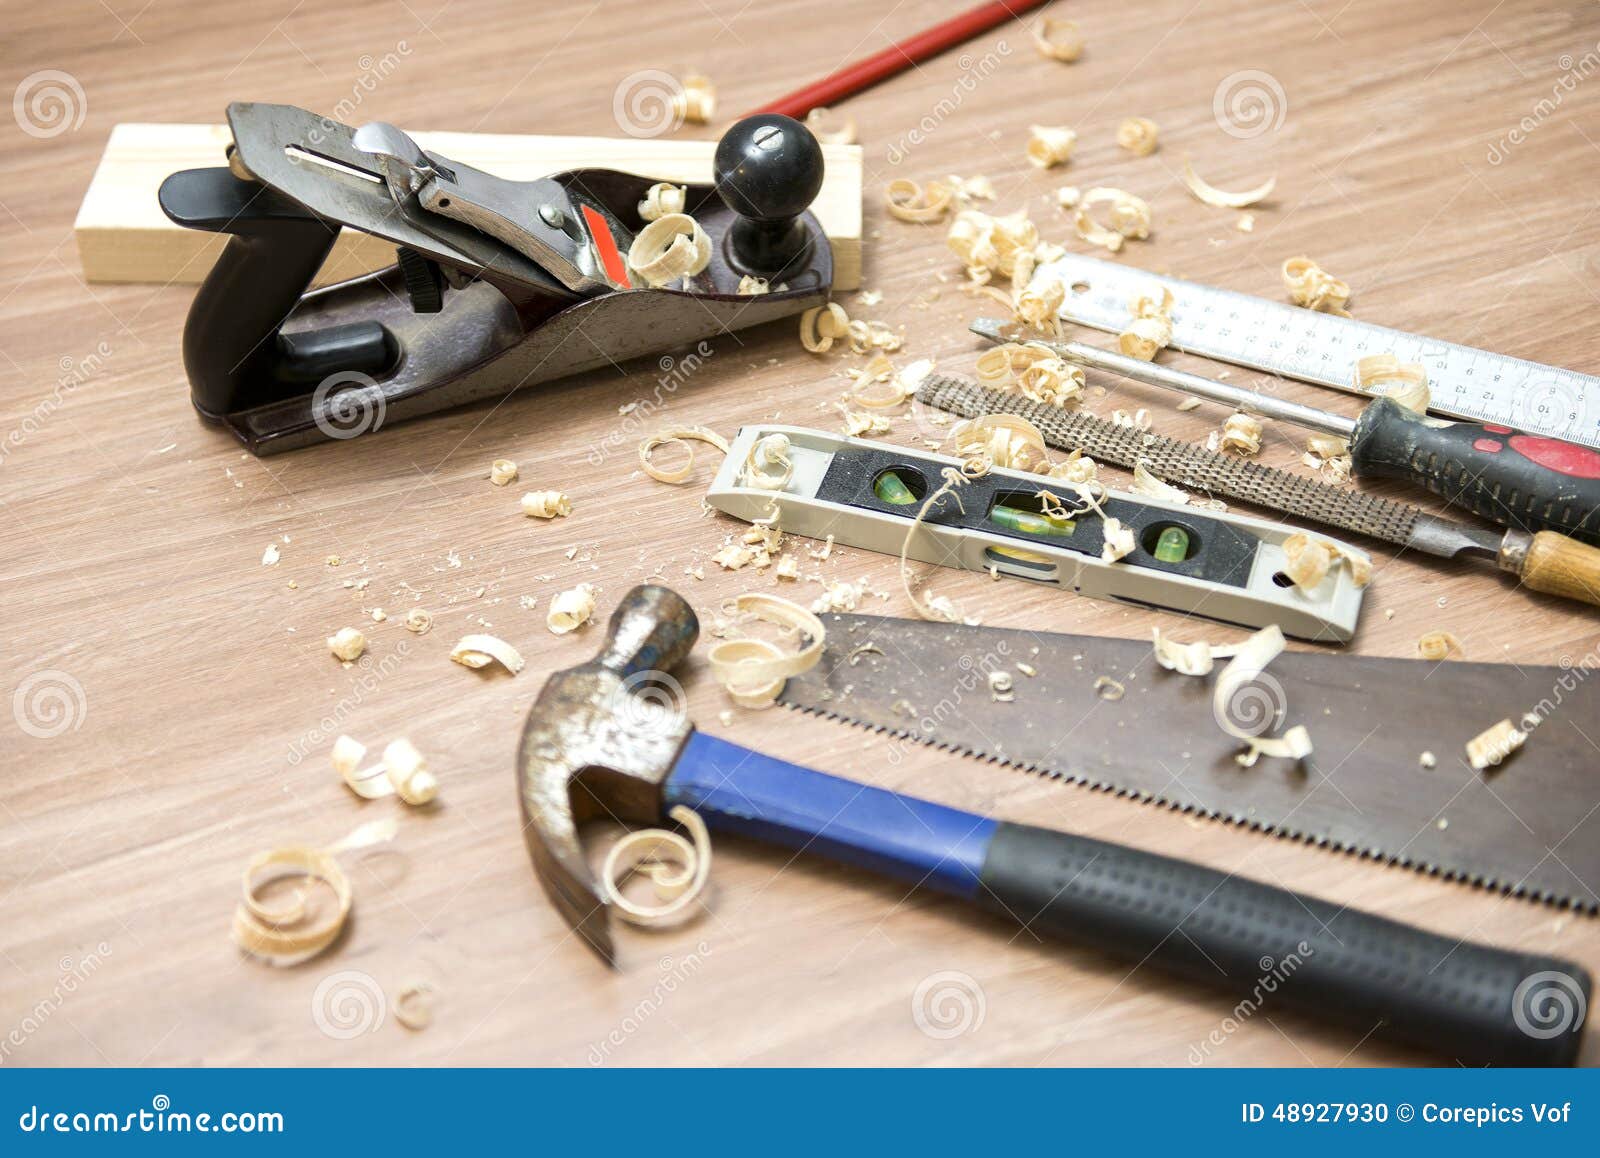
(768, 169)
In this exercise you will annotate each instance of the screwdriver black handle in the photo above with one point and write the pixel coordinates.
(1527, 481)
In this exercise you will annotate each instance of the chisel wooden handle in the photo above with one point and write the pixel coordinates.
(1269, 947)
(1526, 481)
(1558, 565)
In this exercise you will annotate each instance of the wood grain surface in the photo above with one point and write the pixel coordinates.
(191, 697)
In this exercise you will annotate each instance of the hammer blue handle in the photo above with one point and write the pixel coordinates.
(1264, 945)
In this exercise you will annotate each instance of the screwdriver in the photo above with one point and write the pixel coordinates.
(1526, 481)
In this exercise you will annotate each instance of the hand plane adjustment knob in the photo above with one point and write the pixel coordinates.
(768, 169)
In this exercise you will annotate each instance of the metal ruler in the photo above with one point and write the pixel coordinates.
(1308, 346)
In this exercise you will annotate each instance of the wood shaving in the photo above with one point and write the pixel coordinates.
(347, 644)
(1386, 375)
(502, 472)
(752, 286)
(908, 201)
(1150, 330)
(1191, 659)
(1068, 196)
(1002, 440)
(683, 436)
(1050, 145)
(479, 651)
(1223, 199)
(838, 596)
(418, 620)
(1438, 645)
(1108, 689)
(1126, 216)
(696, 100)
(1312, 286)
(546, 505)
(788, 568)
(1493, 745)
(661, 199)
(752, 671)
(1138, 420)
(859, 424)
(1038, 302)
(1146, 483)
(1241, 433)
(292, 933)
(571, 609)
(1001, 687)
(1238, 693)
(1118, 540)
(1327, 445)
(845, 134)
(678, 869)
(408, 771)
(942, 610)
(1052, 381)
(1058, 39)
(1138, 136)
(1428, 760)
(413, 1005)
(769, 467)
(369, 784)
(1077, 468)
(821, 325)
(866, 337)
(1310, 558)
(270, 557)
(670, 247)
(734, 557)
(1246, 223)
(1007, 245)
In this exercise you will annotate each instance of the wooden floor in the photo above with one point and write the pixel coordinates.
(199, 697)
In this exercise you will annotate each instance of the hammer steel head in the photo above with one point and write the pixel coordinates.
(599, 743)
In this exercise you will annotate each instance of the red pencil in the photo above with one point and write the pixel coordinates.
(863, 74)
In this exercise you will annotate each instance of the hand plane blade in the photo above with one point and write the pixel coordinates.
(1103, 713)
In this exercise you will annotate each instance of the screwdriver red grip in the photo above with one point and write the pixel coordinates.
(1526, 481)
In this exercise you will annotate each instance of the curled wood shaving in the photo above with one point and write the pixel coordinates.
(1125, 216)
(752, 671)
(408, 772)
(1150, 330)
(860, 424)
(941, 609)
(546, 505)
(908, 201)
(370, 783)
(1327, 445)
(1050, 145)
(696, 100)
(1310, 558)
(1001, 687)
(413, 1005)
(1118, 540)
(677, 868)
(752, 286)
(347, 644)
(1008, 245)
(291, 933)
(1312, 286)
(1077, 467)
(418, 620)
(1138, 136)
(1008, 441)
(683, 436)
(1405, 382)
(1242, 433)
(1058, 39)
(1494, 744)
(1109, 689)
(1138, 420)
(502, 472)
(1052, 381)
(769, 467)
(821, 325)
(845, 134)
(1068, 196)
(479, 651)
(868, 336)
(1221, 198)
(1146, 483)
(1237, 695)
(670, 247)
(661, 199)
(1438, 645)
(1191, 659)
(571, 609)
(1246, 223)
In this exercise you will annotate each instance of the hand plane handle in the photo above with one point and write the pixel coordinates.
(234, 351)
(1266, 947)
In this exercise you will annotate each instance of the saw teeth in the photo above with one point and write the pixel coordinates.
(1590, 907)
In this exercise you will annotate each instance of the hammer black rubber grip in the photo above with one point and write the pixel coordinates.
(1270, 948)
(1519, 480)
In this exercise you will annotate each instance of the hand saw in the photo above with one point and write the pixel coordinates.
(1530, 827)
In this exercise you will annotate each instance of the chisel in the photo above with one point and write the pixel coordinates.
(1526, 481)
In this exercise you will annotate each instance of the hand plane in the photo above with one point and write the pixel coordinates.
(496, 284)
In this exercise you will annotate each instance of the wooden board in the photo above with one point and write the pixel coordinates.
(131, 536)
(124, 237)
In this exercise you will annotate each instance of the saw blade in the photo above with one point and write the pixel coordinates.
(1102, 713)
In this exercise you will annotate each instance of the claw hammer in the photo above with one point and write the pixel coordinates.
(594, 749)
